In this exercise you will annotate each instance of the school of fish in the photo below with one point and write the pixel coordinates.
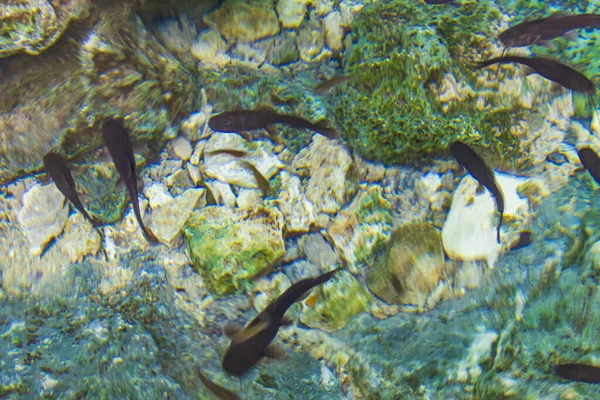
(251, 343)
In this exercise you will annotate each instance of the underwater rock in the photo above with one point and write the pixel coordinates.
(98, 181)
(334, 31)
(229, 247)
(43, 216)
(317, 251)
(333, 177)
(311, 39)
(410, 267)
(244, 21)
(221, 192)
(211, 49)
(169, 218)
(469, 232)
(227, 168)
(181, 148)
(177, 34)
(32, 26)
(291, 12)
(332, 305)
(284, 49)
(79, 239)
(362, 227)
(108, 65)
(297, 209)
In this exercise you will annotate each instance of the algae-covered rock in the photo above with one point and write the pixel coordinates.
(410, 267)
(32, 26)
(244, 20)
(393, 113)
(97, 184)
(330, 306)
(362, 227)
(230, 247)
(110, 64)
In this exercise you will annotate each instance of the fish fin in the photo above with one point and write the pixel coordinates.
(480, 189)
(326, 131)
(528, 71)
(120, 185)
(273, 133)
(104, 156)
(571, 36)
(275, 351)
(286, 321)
(45, 179)
(555, 87)
(246, 135)
(231, 328)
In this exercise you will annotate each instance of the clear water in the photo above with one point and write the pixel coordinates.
(427, 303)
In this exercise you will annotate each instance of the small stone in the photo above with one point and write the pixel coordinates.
(157, 194)
(310, 39)
(318, 251)
(298, 211)
(169, 218)
(291, 12)
(194, 173)
(43, 216)
(181, 148)
(222, 193)
(211, 49)
(178, 182)
(244, 21)
(248, 198)
(334, 31)
(79, 238)
(198, 150)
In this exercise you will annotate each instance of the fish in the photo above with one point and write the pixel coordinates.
(590, 161)
(117, 141)
(231, 152)
(248, 120)
(466, 157)
(262, 182)
(525, 239)
(558, 24)
(331, 83)
(219, 391)
(553, 70)
(578, 372)
(250, 344)
(431, 2)
(56, 167)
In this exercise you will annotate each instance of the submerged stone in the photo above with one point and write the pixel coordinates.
(230, 247)
(410, 267)
(244, 21)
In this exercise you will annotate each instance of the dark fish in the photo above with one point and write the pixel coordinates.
(249, 345)
(549, 69)
(590, 161)
(525, 239)
(331, 83)
(217, 390)
(466, 157)
(452, 2)
(261, 181)
(248, 120)
(532, 32)
(56, 166)
(117, 141)
(578, 372)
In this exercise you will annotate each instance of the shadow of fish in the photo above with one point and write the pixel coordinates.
(578, 372)
(249, 345)
(117, 141)
(558, 24)
(466, 157)
(590, 161)
(248, 120)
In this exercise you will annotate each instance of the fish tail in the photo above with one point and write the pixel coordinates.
(149, 236)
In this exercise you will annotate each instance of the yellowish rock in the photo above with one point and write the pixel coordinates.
(244, 20)
(297, 209)
(79, 239)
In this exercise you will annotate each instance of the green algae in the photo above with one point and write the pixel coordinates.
(229, 249)
(392, 114)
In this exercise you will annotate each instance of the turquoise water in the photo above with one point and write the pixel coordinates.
(426, 303)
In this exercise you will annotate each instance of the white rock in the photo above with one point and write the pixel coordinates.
(210, 49)
(221, 192)
(298, 211)
(469, 232)
(322, 7)
(43, 216)
(194, 173)
(182, 148)
(227, 168)
(157, 194)
(168, 218)
(428, 185)
(79, 238)
(198, 150)
(334, 31)
(329, 165)
(248, 198)
(291, 12)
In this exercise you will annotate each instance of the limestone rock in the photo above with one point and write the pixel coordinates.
(333, 176)
(334, 31)
(169, 218)
(311, 39)
(297, 209)
(410, 267)
(291, 12)
(43, 216)
(330, 306)
(362, 227)
(244, 20)
(211, 49)
(79, 239)
(181, 148)
(227, 168)
(230, 247)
